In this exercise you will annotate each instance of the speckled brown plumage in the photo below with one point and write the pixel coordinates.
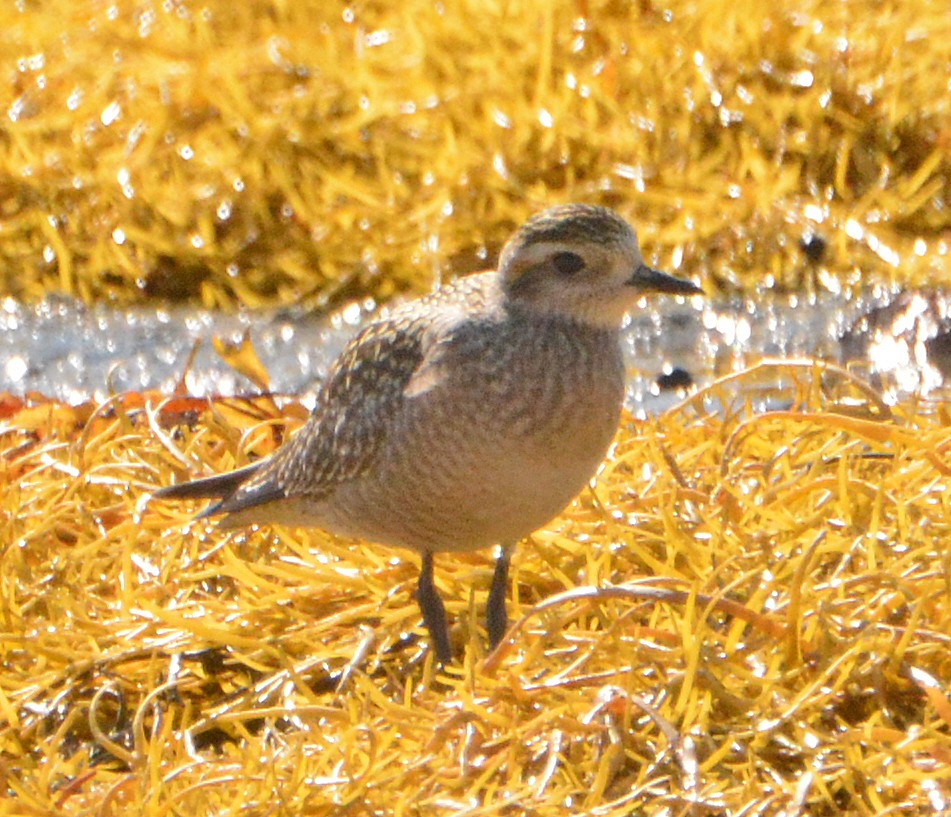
(468, 417)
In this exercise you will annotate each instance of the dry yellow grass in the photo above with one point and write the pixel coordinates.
(749, 614)
(268, 152)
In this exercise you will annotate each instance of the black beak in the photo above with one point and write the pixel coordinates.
(652, 280)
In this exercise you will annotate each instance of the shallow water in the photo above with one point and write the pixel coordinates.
(64, 349)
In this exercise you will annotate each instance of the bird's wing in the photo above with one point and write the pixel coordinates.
(390, 361)
(340, 440)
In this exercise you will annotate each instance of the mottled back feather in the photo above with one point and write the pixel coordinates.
(363, 390)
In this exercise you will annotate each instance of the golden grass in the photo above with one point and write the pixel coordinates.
(272, 152)
(749, 613)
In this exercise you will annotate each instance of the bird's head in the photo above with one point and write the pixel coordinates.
(582, 262)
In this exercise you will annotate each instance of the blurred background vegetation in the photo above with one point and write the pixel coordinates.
(275, 152)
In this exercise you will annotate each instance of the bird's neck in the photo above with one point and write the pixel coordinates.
(592, 321)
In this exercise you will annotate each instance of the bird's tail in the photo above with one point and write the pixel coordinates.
(218, 486)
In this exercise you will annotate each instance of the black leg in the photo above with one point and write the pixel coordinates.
(434, 613)
(496, 619)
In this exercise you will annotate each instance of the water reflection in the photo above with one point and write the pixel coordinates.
(64, 349)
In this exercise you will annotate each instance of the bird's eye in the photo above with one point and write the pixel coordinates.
(567, 263)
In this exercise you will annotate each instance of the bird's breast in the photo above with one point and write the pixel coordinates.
(512, 431)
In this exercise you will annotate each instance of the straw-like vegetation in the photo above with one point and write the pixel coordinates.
(749, 613)
(268, 152)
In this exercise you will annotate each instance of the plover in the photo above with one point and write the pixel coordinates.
(469, 417)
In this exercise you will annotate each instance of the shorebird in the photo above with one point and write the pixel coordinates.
(469, 417)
